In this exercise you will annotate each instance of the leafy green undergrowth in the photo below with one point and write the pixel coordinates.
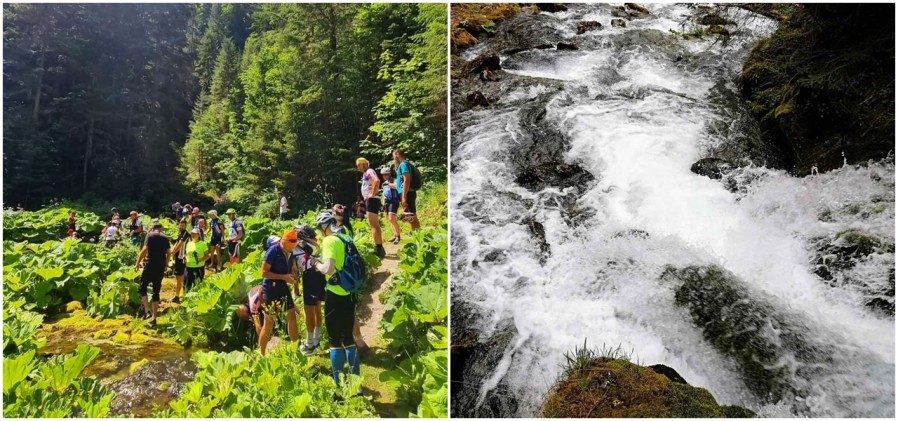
(46, 388)
(47, 224)
(51, 273)
(283, 384)
(415, 323)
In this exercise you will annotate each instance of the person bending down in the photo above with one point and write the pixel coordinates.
(250, 309)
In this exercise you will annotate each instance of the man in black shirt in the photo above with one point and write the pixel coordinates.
(155, 250)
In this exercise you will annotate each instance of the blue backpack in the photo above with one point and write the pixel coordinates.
(354, 273)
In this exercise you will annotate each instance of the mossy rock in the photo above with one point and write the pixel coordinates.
(621, 389)
(858, 243)
(121, 338)
(72, 306)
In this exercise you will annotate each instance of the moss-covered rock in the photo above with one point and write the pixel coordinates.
(823, 84)
(72, 306)
(620, 389)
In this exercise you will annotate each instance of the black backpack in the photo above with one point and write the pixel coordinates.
(416, 176)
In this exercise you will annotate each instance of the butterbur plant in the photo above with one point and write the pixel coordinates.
(53, 388)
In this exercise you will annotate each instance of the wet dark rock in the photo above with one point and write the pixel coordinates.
(618, 23)
(637, 8)
(486, 61)
(747, 327)
(539, 234)
(668, 372)
(526, 32)
(587, 25)
(719, 30)
(713, 168)
(488, 76)
(551, 7)
(836, 256)
(620, 13)
(563, 46)
(473, 360)
(715, 19)
(477, 98)
(513, 51)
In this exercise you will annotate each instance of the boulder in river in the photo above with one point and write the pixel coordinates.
(477, 98)
(486, 61)
(713, 168)
(563, 46)
(551, 7)
(636, 7)
(618, 23)
(587, 25)
(617, 388)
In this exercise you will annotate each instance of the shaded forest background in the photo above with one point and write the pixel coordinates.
(141, 105)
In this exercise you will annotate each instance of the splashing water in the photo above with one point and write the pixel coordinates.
(636, 107)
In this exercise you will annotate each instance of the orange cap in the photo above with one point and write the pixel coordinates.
(289, 235)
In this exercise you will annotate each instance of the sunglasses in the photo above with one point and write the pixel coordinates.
(290, 241)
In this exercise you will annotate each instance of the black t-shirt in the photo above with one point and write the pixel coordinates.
(157, 246)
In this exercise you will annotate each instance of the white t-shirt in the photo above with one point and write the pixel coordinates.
(368, 179)
(283, 204)
(110, 232)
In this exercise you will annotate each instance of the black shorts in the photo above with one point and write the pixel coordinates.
(391, 207)
(151, 275)
(234, 249)
(192, 277)
(278, 291)
(339, 317)
(215, 242)
(180, 266)
(410, 199)
(372, 205)
(312, 288)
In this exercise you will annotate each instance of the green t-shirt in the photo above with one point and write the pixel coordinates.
(333, 248)
(200, 247)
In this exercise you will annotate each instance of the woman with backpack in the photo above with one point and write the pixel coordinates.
(339, 306)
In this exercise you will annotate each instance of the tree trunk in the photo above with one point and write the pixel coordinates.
(87, 152)
(37, 90)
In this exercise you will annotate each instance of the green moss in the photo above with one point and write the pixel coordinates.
(620, 389)
(138, 365)
(862, 244)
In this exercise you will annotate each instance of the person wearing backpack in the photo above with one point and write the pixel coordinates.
(391, 202)
(216, 228)
(235, 235)
(343, 268)
(370, 188)
(408, 182)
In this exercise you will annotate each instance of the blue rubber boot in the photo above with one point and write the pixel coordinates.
(352, 356)
(338, 360)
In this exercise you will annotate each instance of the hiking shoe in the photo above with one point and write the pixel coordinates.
(176, 300)
(146, 316)
(308, 349)
(395, 240)
(153, 323)
(381, 252)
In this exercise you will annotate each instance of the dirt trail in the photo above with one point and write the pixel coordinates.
(372, 309)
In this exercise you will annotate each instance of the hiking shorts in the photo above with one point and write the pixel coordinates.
(312, 290)
(410, 199)
(372, 205)
(180, 266)
(234, 249)
(216, 241)
(193, 277)
(277, 291)
(339, 317)
(391, 208)
(151, 275)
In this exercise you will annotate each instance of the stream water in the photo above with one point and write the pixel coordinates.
(635, 107)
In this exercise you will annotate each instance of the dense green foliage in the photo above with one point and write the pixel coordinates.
(145, 105)
(415, 323)
(49, 274)
(52, 388)
(93, 96)
(824, 84)
(242, 384)
(287, 109)
(47, 224)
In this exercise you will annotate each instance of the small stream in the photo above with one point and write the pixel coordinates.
(145, 372)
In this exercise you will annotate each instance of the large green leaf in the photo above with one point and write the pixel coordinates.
(49, 273)
(17, 369)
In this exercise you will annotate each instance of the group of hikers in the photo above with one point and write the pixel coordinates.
(317, 263)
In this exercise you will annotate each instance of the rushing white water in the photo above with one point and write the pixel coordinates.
(638, 133)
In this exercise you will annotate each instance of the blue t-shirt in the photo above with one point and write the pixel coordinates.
(215, 223)
(404, 168)
(280, 264)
